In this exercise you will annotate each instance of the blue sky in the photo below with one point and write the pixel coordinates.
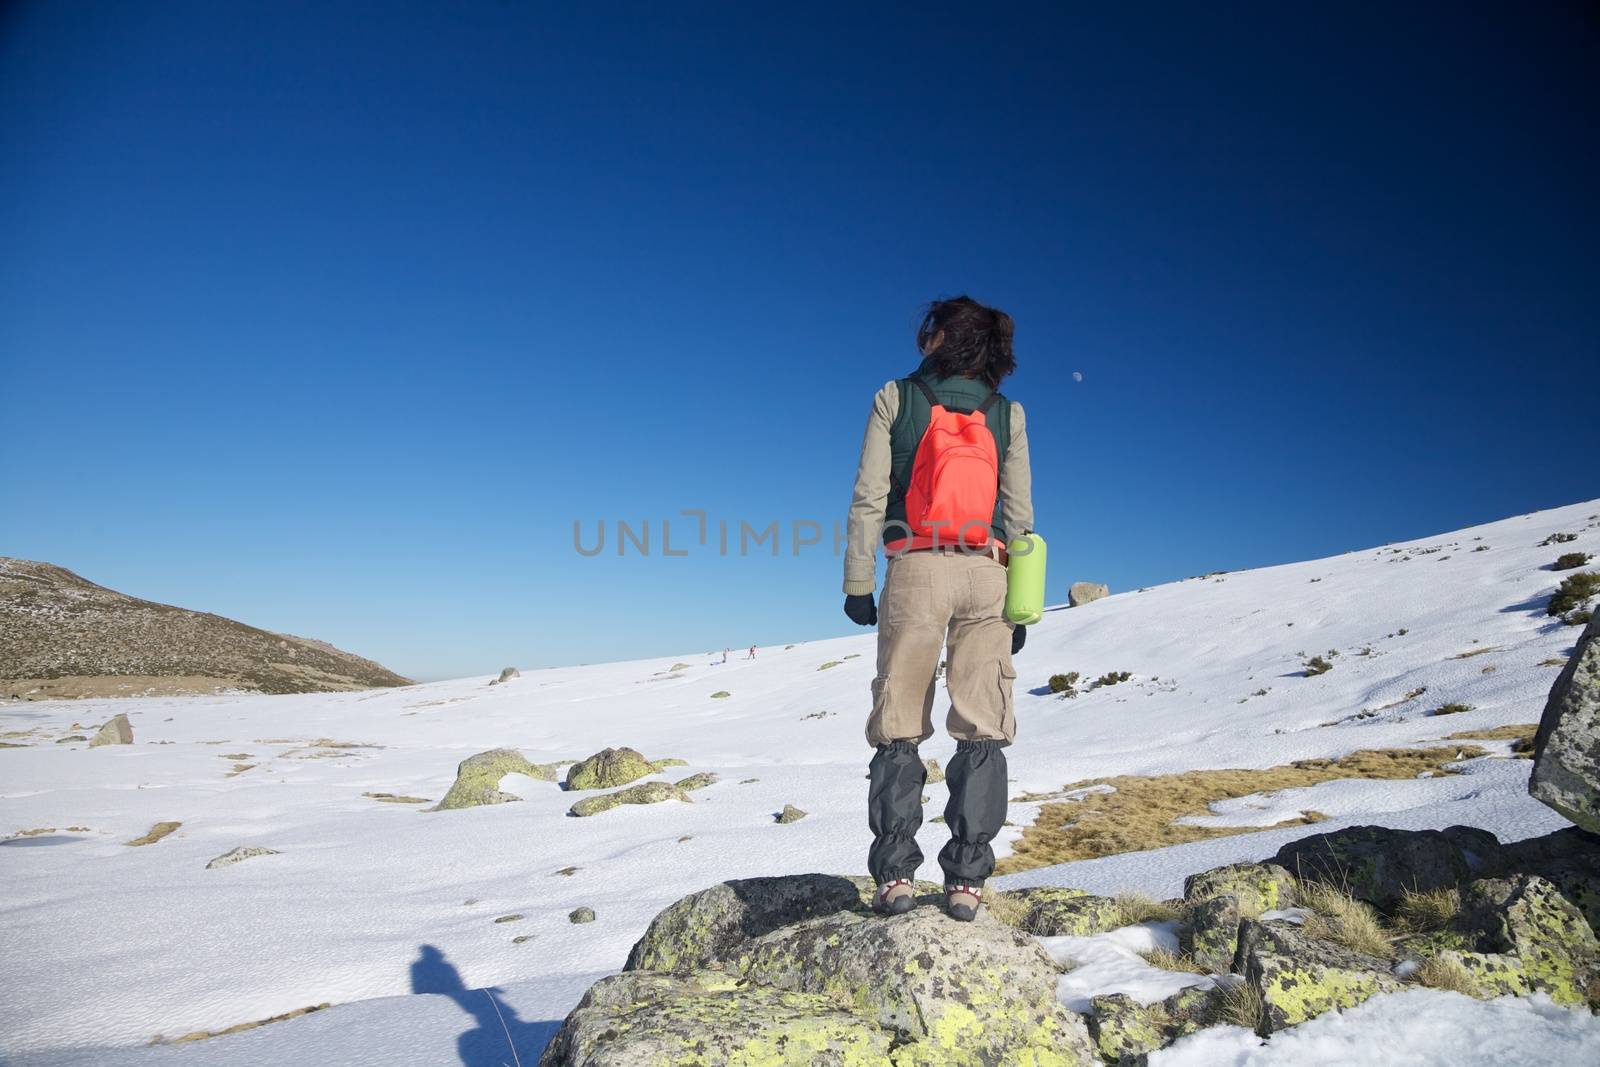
(333, 317)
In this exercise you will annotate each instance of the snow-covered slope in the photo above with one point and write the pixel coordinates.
(107, 945)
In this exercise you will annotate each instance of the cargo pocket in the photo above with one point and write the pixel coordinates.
(1008, 716)
(876, 735)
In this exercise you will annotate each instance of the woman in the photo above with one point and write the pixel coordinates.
(944, 482)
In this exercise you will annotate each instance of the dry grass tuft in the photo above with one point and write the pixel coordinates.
(1342, 918)
(1138, 908)
(1004, 908)
(1239, 1004)
(1432, 909)
(1172, 961)
(154, 834)
(201, 1035)
(1439, 973)
(1141, 812)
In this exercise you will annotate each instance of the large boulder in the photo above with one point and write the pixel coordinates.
(478, 778)
(1569, 859)
(608, 769)
(118, 731)
(778, 971)
(1566, 748)
(1375, 863)
(1083, 593)
(1298, 977)
(506, 675)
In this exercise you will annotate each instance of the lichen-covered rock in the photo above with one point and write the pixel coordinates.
(638, 1018)
(789, 814)
(243, 852)
(1566, 747)
(1056, 911)
(581, 915)
(118, 731)
(663, 764)
(1569, 858)
(1375, 863)
(1257, 887)
(978, 993)
(1124, 1030)
(478, 778)
(1493, 974)
(1083, 593)
(1299, 977)
(935, 772)
(608, 769)
(710, 925)
(1211, 932)
(506, 675)
(643, 793)
(1529, 916)
(698, 781)
(912, 990)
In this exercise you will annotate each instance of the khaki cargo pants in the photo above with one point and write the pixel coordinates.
(930, 600)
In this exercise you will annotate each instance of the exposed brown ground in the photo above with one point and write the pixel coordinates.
(1142, 812)
(201, 1035)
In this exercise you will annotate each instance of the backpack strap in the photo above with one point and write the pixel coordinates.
(927, 391)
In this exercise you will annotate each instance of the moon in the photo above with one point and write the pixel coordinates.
(1077, 375)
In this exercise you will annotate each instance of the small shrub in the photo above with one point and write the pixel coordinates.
(1064, 683)
(830, 664)
(1573, 591)
(1111, 678)
(1558, 539)
(1438, 973)
(1402, 631)
(1580, 617)
(1451, 709)
(1316, 665)
(1570, 561)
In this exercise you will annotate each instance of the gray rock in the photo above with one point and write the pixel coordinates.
(1569, 859)
(935, 772)
(698, 781)
(1375, 863)
(1211, 934)
(581, 915)
(1257, 887)
(1083, 593)
(789, 814)
(1566, 748)
(119, 731)
(243, 852)
(1482, 850)
(506, 675)
(1057, 911)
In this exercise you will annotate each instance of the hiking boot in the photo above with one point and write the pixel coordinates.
(894, 898)
(962, 901)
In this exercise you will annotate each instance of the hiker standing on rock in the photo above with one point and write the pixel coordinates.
(943, 480)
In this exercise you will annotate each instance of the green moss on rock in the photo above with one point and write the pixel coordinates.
(608, 769)
(478, 778)
(643, 793)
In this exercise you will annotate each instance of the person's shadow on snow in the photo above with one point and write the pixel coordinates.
(500, 1037)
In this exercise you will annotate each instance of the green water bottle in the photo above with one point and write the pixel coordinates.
(1025, 579)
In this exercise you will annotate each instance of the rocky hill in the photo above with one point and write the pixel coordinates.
(64, 636)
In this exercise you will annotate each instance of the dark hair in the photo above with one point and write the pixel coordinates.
(977, 340)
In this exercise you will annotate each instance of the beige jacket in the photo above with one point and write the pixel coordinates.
(871, 495)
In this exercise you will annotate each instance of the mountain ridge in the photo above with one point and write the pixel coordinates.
(62, 635)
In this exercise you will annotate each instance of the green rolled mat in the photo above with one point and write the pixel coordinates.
(1025, 579)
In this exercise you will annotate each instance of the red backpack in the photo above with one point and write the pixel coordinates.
(955, 477)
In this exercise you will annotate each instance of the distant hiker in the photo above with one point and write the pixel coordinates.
(943, 479)
(752, 654)
(724, 655)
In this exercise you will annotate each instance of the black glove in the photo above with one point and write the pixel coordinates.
(861, 609)
(1019, 637)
